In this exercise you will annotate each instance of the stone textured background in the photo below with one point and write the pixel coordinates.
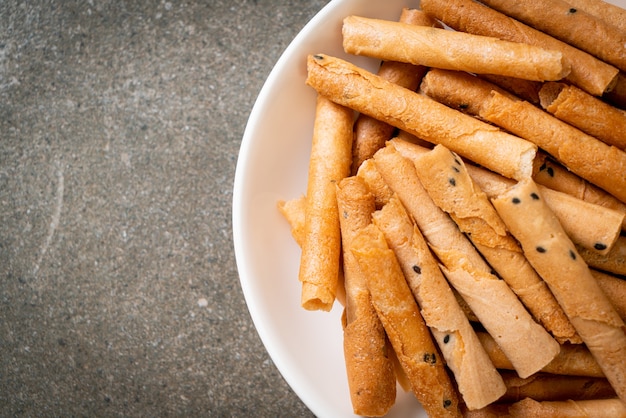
(120, 125)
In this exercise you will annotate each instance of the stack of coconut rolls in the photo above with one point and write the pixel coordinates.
(467, 204)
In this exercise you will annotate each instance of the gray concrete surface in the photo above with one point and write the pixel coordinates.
(120, 125)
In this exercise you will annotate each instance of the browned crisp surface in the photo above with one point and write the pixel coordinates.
(587, 72)
(405, 327)
(367, 93)
(555, 258)
(331, 156)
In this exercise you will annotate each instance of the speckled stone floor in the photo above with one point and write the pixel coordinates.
(120, 125)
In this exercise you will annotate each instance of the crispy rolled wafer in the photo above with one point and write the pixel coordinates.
(370, 372)
(587, 72)
(370, 134)
(421, 116)
(404, 324)
(331, 156)
(613, 261)
(586, 112)
(576, 27)
(555, 258)
(477, 379)
(554, 387)
(524, 89)
(458, 89)
(439, 48)
(294, 212)
(444, 176)
(596, 408)
(513, 327)
(370, 175)
(615, 290)
(571, 360)
(616, 95)
(610, 13)
(589, 225)
(586, 156)
(553, 175)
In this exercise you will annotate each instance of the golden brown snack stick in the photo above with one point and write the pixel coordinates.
(588, 408)
(440, 48)
(293, 211)
(524, 89)
(616, 95)
(610, 13)
(575, 27)
(615, 290)
(516, 332)
(370, 372)
(477, 379)
(555, 258)
(572, 359)
(331, 156)
(370, 175)
(586, 156)
(370, 134)
(587, 72)
(404, 324)
(586, 112)
(554, 387)
(596, 408)
(551, 174)
(421, 116)
(589, 225)
(458, 89)
(447, 181)
(613, 261)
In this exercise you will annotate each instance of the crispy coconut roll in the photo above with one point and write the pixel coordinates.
(444, 176)
(591, 226)
(421, 116)
(512, 326)
(440, 48)
(615, 290)
(405, 327)
(587, 72)
(331, 156)
(571, 360)
(477, 379)
(555, 387)
(586, 112)
(575, 27)
(613, 261)
(550, 173)
(610, 13)
(370, 134)
(370, 371)
(596, 408)
(555, 258)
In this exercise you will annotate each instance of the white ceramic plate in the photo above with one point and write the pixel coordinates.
(273, 162)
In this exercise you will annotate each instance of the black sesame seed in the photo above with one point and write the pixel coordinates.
(535, 196)
(456, 169)
(452, 181)
(430, 358)
(572, 254)
(573, 10)
(446, 339)
(541, 250)
(516, 200)
(463, 106)
(599, 246)
(417, 269)
(551, 171)
(457, 161)
(543, 167)
(447, 403)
